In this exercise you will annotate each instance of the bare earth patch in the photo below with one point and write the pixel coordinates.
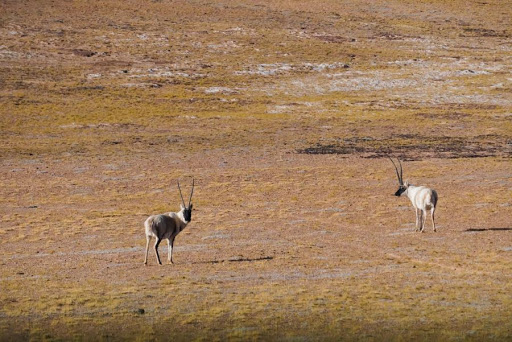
(285, 114)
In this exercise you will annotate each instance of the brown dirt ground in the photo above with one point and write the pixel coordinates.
(284, 113)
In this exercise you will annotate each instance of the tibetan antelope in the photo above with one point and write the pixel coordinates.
(167, 226)
(422, 198)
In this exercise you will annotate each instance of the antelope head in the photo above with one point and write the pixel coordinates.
(187, 210)
(402, 187)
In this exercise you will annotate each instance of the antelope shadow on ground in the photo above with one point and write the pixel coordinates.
(235, 260)
(486, 229)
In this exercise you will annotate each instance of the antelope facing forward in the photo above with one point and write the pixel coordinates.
(422, 198)
(167, 226)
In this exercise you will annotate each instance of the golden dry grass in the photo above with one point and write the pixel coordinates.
(283, 112)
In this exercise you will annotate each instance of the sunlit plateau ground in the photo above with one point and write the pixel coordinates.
(284, 113)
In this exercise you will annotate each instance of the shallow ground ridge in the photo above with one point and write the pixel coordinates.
(284, 112)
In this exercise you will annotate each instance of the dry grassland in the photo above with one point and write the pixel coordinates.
(284, 112)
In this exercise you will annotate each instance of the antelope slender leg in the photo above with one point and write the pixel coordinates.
(432, 215)
(156, 250)
(147, 250)
(423, 219)
(171, 247)
(417, 219)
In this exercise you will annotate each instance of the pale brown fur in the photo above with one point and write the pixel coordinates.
(164, 226)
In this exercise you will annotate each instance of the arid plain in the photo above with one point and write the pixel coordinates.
(284, 113)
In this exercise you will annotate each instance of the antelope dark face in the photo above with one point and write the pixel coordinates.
(187, 214)
(400, 190)
(187, 210)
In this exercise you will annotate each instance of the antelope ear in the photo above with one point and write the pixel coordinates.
(182, 207)
(406, 183)
(191, 205)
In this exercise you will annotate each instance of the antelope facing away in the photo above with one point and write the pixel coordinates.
(422, 198)
(167, 226)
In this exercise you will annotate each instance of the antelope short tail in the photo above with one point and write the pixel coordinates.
(433, 199)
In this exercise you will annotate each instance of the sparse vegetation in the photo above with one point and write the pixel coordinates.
(282, 111)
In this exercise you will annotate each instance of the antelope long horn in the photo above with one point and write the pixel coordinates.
(401, 172)
(396, 169)
(190, 199)
(179, 188)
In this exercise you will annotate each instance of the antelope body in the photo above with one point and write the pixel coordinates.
(422, 199)
(167, 226)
